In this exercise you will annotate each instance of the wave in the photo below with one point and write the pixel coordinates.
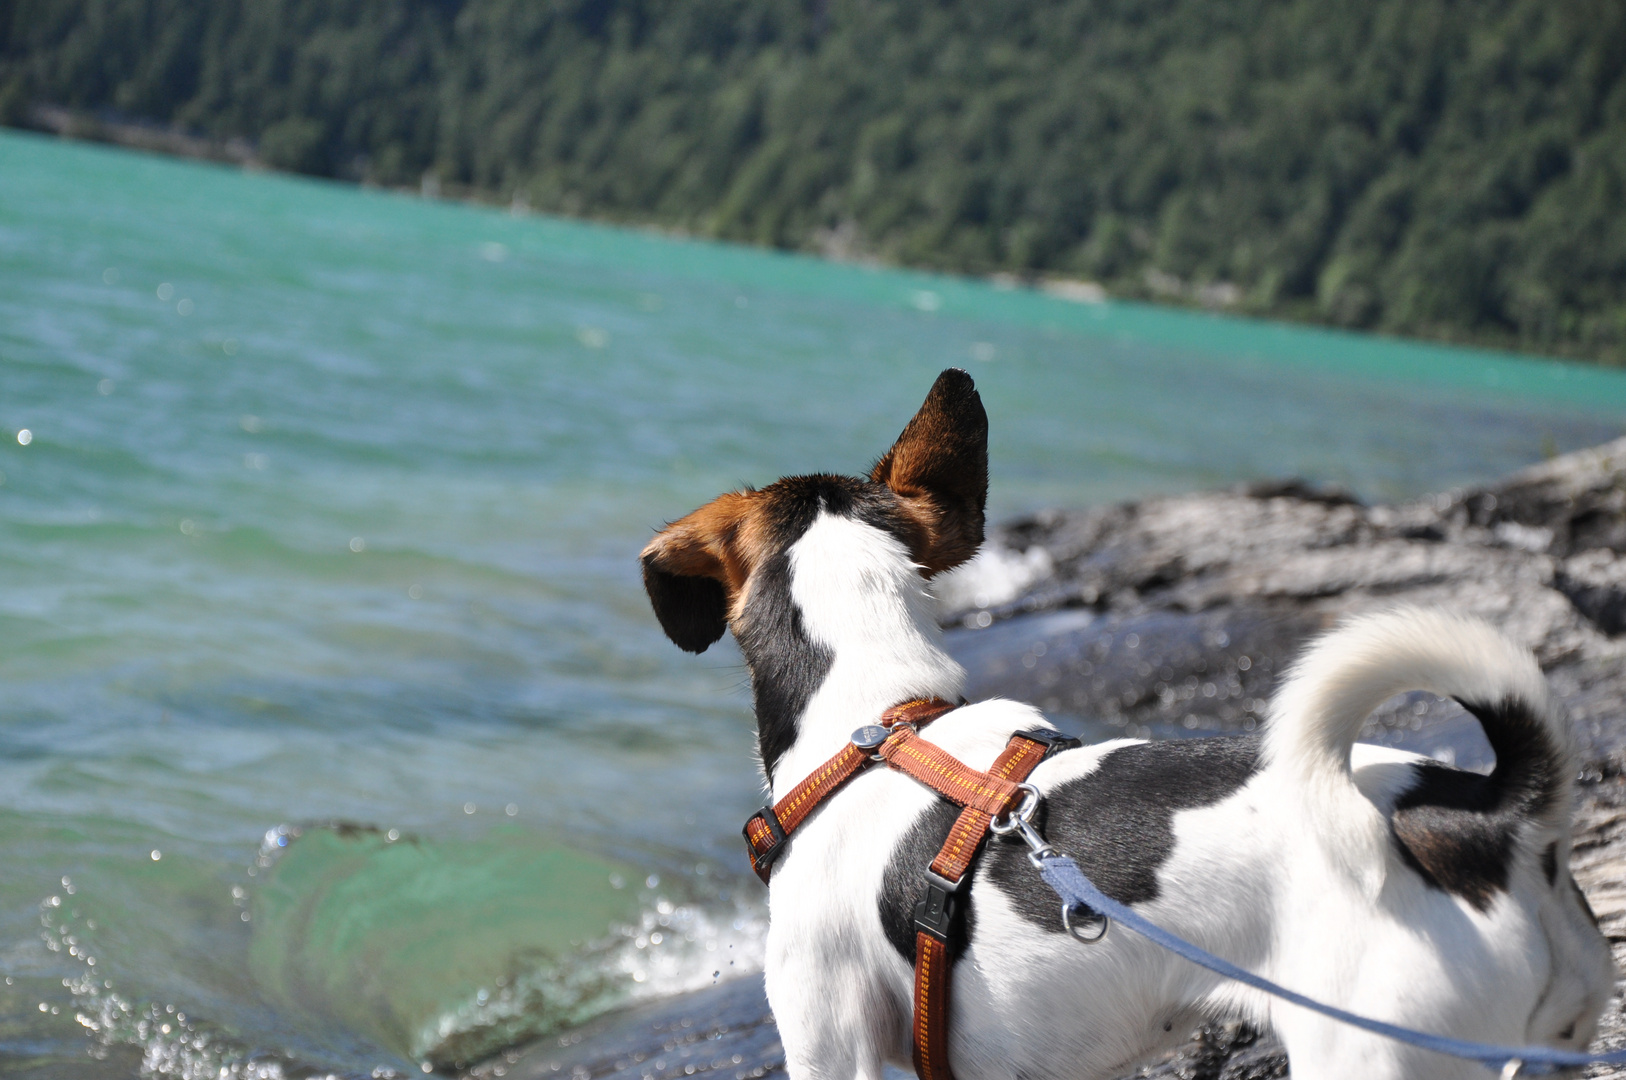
(441, 952)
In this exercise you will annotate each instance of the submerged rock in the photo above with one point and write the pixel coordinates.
(724, 1031)
(1176, 616)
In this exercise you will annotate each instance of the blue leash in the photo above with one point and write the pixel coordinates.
(1077, 891)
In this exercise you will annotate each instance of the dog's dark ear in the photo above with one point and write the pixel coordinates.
(939, 467)
(694, 569)
(693, 610)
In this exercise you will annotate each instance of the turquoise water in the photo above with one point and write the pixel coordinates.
(329, 514)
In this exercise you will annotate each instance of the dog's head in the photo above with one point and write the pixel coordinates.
(928, 490)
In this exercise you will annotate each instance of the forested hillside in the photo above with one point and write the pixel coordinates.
(1446, 168)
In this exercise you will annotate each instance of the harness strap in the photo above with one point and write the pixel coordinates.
(983, 796)
(948, 775)
(964, 841)
(769, 829)
(938, 909)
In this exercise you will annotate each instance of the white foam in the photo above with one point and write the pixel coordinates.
(996, 576)
(676, 948)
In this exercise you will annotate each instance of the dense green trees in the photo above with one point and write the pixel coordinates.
(1451, 168)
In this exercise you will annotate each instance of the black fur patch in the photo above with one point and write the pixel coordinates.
(1458, 830)
(693, 610)
(788, 667)
(905, 880)
(1549, 863)
(1117, 823)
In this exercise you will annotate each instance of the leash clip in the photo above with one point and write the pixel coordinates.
(1091, 926)
(1020, 822)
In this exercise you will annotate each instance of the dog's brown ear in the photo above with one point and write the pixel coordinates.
(939, 466)
(694, 569)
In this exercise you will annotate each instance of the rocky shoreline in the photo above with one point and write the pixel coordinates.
(1173, 616)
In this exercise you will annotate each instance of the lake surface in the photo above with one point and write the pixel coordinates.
(335, 733)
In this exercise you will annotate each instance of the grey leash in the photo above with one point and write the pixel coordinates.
(1087, 912)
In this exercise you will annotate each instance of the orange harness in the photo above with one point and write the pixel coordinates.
(984, 797)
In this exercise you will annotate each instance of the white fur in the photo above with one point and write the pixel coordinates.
(1293, 875)
(862, 597)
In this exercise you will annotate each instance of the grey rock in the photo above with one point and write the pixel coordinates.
(725, 1031)
(1598, 862)
(1595, 582)
(1176, 615)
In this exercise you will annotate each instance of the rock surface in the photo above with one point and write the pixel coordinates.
(1174, 617)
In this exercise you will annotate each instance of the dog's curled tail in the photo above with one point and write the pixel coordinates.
(1349, 672)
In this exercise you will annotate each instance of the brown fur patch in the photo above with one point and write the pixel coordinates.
(706, 543)
(939, 469)
(696, 569)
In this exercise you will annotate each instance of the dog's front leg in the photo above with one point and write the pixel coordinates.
(831, 1020)
(823, 1047)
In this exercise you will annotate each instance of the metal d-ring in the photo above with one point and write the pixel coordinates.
(1079, 932)
(1511, 1068)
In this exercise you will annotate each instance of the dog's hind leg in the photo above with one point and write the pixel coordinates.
(1326, 1053)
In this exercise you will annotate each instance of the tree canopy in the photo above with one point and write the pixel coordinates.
(1442, 168)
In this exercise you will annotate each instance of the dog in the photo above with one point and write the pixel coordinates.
(1372, 879)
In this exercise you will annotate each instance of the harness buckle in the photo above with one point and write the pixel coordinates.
(1053, 741)
(764, 840)
(938, 910)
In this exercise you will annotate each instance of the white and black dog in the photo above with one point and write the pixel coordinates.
(1365, 877)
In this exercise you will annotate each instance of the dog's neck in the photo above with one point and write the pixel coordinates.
(838, 628)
